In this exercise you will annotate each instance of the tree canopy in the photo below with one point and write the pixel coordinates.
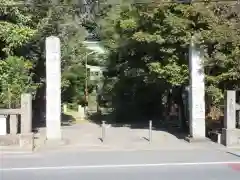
(23, 30)
(148, 46)
(149, 52)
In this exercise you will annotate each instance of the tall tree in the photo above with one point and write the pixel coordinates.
(16, 30)
(149, 59)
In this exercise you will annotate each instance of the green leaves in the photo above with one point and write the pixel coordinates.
(155, 39)
(14, 35)
(174, 74)
(128, 24)
(149, 38)
(15, 79)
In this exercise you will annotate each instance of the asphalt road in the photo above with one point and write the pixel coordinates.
(139, 165)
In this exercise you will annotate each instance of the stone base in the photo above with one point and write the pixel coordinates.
(231, 137)
(17, 142)
(26, 141)
(196, 140)
(215, 137)
(9, 140)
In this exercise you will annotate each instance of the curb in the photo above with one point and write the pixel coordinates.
(99, 148)
(103, 148)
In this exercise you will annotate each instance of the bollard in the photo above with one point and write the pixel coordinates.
(65, 108)
(150, 131)
(103, 131)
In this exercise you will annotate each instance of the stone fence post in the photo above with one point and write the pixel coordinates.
(230, 134)
(26, 138)
(26, 113)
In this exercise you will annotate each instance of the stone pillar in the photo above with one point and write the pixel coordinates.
(65, 108)
(196, 95)
(3, 125)
(81, 112)
(13, 124)
(26, 113)
(230, 110)
(53, 88)
(230, 135)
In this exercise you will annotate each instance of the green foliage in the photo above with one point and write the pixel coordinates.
(14, 36)
(23, 31)
(16, 71)
(149, 51)
(15, 79)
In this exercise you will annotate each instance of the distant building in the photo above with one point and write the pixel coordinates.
(96, 72)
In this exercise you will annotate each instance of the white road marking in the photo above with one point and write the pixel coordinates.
(9, 152)
(24, 156)
(18, 154)
(116, 166)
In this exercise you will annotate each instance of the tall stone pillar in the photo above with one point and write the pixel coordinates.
(53, 88)
(196, 95)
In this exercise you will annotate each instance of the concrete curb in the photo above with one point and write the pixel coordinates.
(102, 147)
(97, 148)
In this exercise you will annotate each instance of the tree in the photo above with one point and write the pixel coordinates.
(16, 71)
(15, 78)
(149, 52)
(23, 30)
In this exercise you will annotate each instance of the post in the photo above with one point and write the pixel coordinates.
(103, 131)
(86, 80)
(196, 95)
(53, 88)
(230, 110)
(26, 113)
(230, 134)
(150, 131)
(65, 108)
(3, 125)
(13, 124)
(81, 112)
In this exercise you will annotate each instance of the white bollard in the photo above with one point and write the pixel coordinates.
(81, 112)
(103, 131)
(150, 131)
(64, 108)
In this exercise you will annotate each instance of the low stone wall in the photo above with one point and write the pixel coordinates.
(19, 133)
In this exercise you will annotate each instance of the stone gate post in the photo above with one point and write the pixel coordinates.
(230, 135)
(196, 96)
(26, 113)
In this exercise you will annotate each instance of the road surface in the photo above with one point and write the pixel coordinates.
(135, 165)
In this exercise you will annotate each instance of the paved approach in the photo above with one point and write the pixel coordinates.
(139, 165)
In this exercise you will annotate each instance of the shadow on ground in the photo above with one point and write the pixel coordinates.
(157, 124)
(66, 120)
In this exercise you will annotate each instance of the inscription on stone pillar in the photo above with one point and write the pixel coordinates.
(196, 94)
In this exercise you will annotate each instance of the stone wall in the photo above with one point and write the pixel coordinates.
(16, 124)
